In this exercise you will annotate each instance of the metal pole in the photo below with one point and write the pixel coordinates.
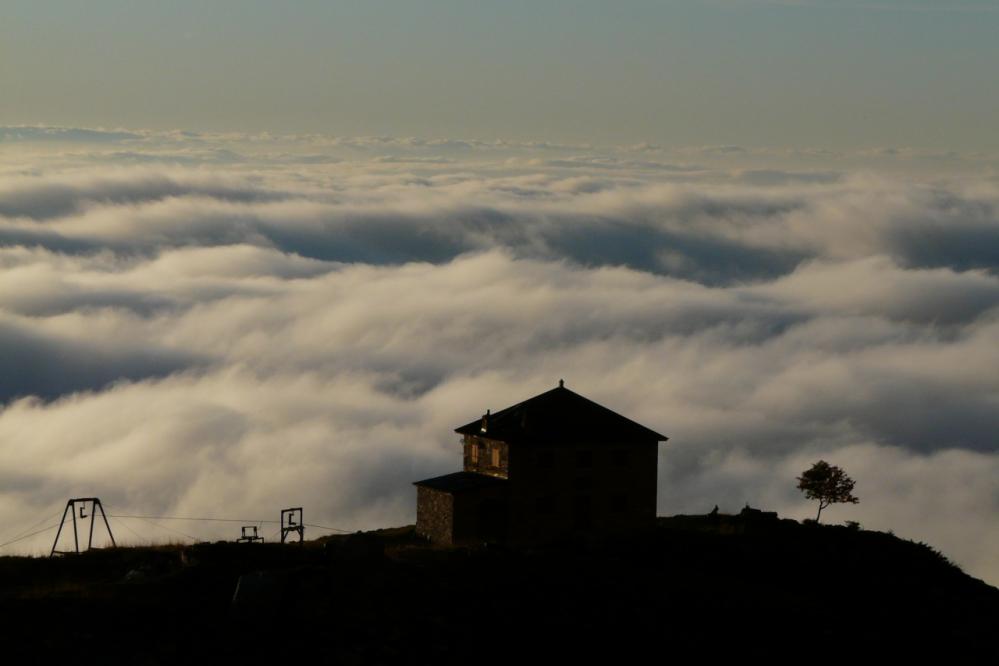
(59, 531)
(93, 517)
(105, 516)
(76, 539)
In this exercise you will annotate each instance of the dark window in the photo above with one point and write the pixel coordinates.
(584, 458)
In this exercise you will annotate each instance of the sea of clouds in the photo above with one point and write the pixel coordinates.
(227, 326)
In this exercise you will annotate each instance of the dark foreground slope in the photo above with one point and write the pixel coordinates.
(699, 586)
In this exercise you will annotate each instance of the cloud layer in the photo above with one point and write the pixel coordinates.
(233, 339)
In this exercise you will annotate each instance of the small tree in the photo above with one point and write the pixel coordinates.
(828, 484)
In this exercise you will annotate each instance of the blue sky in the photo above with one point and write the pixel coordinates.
(751, 72)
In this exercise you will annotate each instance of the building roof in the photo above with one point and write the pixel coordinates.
(560, 416)
(451, 483)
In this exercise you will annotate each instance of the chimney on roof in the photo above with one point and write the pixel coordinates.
(561, 383)
(485, 422)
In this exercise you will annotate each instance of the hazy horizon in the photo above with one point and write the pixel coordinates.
(822, 73)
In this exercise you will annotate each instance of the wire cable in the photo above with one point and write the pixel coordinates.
(148, 520)
(331, 529)
(25, 536)
(247, 521)
(170, 529)
(43, 520)
(142, 539)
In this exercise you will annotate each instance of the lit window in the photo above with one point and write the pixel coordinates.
(474, 452)
(496, 457)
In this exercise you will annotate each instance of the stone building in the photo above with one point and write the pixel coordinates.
(552, 467)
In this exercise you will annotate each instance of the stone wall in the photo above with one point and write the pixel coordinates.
(435, 515)
(486, 456)
(554, 492)
(559, 492)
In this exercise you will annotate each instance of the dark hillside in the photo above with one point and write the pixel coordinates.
(722, 586)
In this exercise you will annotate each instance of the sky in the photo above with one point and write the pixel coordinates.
(253, 258)
(820, 73)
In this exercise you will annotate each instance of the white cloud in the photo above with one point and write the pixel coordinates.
(232, 342)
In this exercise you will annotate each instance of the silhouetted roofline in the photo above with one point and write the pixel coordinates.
(459, 481)
(559, 416)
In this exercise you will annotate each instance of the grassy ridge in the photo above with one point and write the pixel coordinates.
(699, 585)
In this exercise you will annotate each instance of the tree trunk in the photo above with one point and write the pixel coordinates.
(819, 514)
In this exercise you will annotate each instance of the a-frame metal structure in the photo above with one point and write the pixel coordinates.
(292, 520)
(71, 508)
